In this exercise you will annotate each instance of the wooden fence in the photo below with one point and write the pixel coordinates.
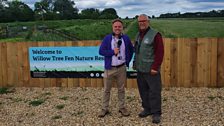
(196, 62)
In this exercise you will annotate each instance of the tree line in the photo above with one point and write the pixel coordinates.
(15, 10)
(213, 13)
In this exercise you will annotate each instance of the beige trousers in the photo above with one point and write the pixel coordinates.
(119, 74)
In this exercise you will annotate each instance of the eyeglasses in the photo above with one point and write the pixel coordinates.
(142, 21)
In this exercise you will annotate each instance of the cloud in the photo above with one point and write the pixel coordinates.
(83, 4)
(30, 1)
(113, 3)
(131, 8)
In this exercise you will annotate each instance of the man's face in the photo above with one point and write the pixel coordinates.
(117, 27)
(143, 23)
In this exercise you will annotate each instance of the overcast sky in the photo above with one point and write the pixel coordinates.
(131, 8)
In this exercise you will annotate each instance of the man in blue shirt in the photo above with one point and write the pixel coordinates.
(117, 50)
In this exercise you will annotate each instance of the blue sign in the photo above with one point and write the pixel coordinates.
(66, 62)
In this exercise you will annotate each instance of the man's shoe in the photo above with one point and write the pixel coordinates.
(144, 114)
(124, 112)
(156, 119)
(103, 113)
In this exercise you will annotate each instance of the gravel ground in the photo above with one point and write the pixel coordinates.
(80, 106)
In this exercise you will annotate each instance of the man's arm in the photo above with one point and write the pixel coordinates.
(158, 53)
(104, 51)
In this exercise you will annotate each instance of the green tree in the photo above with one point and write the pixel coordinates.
(44, 10)
(108, 13)
(20, 11)
(90, 13)
(5, 15)
(65, 9)
(221, 13)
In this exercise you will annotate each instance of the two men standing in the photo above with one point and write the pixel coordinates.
(149, 50)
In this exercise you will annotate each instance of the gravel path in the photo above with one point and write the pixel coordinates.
(80, 106)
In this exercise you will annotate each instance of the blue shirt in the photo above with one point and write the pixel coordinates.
(120, 57)
(107, 51)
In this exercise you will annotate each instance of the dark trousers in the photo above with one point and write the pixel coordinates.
(150, 87)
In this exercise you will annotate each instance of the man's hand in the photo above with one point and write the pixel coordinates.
(153, 72)
(116, 51)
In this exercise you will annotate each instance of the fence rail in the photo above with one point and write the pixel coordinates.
(195, 62)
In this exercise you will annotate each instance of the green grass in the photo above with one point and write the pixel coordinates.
(37, 36)
(5, 90)
(36, 102)
(13, 40)
(185, 28)
(79, 113)
(83, 29)
(56, 117)
(40, 36)
(211, 97)
(60, 106)
(86, 29)
(189, 28)
(133, 30)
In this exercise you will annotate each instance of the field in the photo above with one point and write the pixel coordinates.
(96, 29)
(195, 28)
(61, 30)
